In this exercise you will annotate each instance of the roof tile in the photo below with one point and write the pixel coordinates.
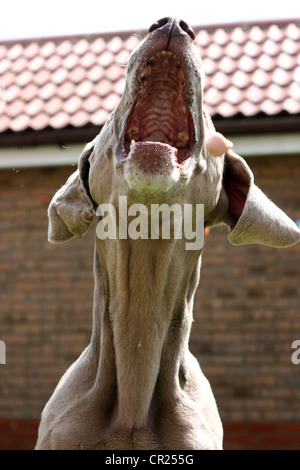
(266, 63)
(247, 64)
(132, 42)
(270, 107)
(226, 109)
(115, 44)
(32, 50)
(80, 119)
(81, 47)
(250, 68)
(59, 120)
(34, 107)
(61, 75)
(212, 66)
(47, 91)
(203, 38)
(73, 104)
(53, 62)
(39, 122)
(281, 77)
(9, 79)
(76, 75)
(220, 80)
(4, 65)
(64, 49)
(271, 48)
(119, 86)
(41, 77)
(252, 49)
(15, 109)
(92, 104)
(20, 122)
(261, 78)
(248, 108)
(255, 94)
(66, 89)
(220, 37)
(15, 51)
(213, 96)
(292, 104)
(233, 95)
(71, 61)
(290, 47)
(257, 34)
(103, 87)
(99, 117)
(3, 51)
(233, 50)
(238, 36)
(18, 65)
(95, 73)
(24, 78)
(48, 49)
(293, 31)
(215, 51)
(84, 89)
(275, 33)
(35, 64)
(106, 58)
(241, 80)
(97, 46)
(276, 93)
(53, 106)
(111, 101)
(88, 60)
(12, 94)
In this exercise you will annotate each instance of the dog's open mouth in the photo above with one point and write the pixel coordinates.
(159, 117)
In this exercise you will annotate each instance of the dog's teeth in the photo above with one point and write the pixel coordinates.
(146, 71)
(184, 137)
(132, 142)
(184, 109)
(133, 130)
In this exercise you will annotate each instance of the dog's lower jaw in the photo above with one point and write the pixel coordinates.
(137, 381)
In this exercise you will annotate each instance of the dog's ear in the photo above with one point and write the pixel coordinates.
(251, 216)
(71, 209)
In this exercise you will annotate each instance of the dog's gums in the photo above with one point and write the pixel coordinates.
(159, 114)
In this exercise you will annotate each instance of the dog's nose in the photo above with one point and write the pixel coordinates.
(172, 26)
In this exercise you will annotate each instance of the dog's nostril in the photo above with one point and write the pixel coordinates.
(187, 29)
(158, 24)
(175, 25)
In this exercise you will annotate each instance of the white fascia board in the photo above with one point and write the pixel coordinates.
(266, 144)
(40, 156)
(52, 156)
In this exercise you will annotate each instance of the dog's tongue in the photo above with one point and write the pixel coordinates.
(153, 150)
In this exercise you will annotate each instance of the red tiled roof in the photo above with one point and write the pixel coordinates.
(77, 81)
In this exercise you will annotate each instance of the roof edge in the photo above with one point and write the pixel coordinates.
(125, 33)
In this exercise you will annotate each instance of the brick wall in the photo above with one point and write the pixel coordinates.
(246, 313)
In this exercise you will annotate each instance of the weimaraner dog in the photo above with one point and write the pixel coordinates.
(137, 386)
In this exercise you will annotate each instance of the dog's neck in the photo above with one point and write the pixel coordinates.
(149, 296)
